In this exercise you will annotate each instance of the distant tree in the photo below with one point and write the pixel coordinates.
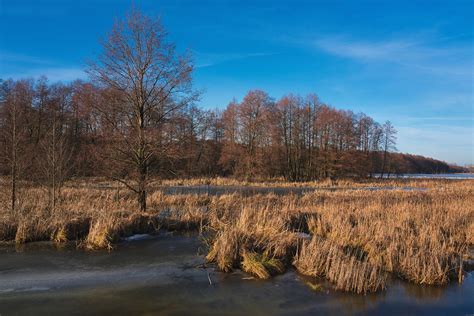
(15, 102)
(291, 135)
(39, 104)
(148, 81)
(312, 108)
(253, 115)
(86, 130)
(231, 151)
(57, 146)
(389, 142)
(215, 136)
(376, 144)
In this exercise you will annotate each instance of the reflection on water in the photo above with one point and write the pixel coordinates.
(252, 190)
(454, 176)
(165, 275)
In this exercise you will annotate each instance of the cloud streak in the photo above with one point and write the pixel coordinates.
(54, 74)
(19, 66)
(8, 58)
(209, 59)
(414, 54)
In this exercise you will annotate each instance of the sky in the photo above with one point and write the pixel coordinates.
(410, 62)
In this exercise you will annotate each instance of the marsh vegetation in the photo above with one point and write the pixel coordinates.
(352, 237)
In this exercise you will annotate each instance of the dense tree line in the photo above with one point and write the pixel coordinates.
(54, 131)
(137, 117)
(406, 163)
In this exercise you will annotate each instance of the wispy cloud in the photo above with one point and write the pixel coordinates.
(363, 50)
(211, 59)
(53, 74)
(440, 118)
(8, 58)
(17, 66)
(416, 54)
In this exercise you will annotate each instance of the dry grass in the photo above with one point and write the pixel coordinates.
(349, 270)
(103, 233)
(261, 266)
(354, 238)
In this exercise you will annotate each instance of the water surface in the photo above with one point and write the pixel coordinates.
(449, 176)
(166, 275)
(252, 190)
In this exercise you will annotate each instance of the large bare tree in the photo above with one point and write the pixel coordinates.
(148, 81)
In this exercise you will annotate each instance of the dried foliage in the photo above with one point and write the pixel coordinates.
(348, 270)
(352, 237)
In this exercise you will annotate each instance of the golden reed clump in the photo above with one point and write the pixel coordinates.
(351, 236)
(349, 270)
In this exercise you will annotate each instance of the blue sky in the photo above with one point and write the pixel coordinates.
(410, 62)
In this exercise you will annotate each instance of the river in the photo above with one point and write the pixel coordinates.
(166, 275)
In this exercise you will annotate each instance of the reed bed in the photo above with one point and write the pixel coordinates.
(353, 238)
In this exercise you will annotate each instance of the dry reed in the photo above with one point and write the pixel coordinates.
(353, 238)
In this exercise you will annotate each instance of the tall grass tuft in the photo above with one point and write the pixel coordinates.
(348, 271)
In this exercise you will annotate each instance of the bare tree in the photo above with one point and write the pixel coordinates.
(231, 150)
(389, 141)
(252, 114)
(39, 103)
(56, 145)
(149, 81)
(16, 100)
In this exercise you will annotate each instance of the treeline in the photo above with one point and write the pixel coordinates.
(406, 163)
(54, 131)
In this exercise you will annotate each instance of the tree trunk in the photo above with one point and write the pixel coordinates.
(13, 183)
(14, 161)
(53, 166)
(383, 163)
(142, 188)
